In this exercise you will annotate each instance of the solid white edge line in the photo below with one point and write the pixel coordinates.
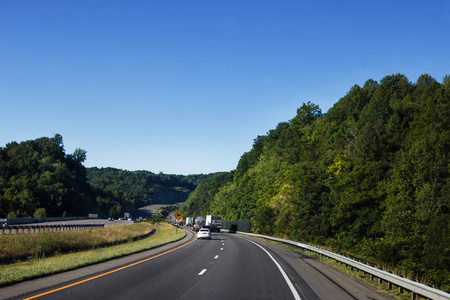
(288, 281)
(202, 272)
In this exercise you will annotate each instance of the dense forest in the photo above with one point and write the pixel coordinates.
(370, 177)
(120, 190)
(37, 178)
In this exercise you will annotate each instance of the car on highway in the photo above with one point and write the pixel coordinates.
(204, 233)
(233, 229)
(214, 228)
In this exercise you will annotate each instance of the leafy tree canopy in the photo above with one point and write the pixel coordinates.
(371, 177)
(38, 178)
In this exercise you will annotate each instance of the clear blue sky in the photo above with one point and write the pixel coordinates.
(183, 87)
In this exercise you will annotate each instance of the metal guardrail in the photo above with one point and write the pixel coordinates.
(417, 289)
(11, 229)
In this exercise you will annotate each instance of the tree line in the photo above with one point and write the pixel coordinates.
(370, 177)
(120, 190)
(38, 179)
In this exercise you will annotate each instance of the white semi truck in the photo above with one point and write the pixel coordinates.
(189, 221)
(214, 222)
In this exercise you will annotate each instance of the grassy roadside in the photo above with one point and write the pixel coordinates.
(37, 267)
(21, 247)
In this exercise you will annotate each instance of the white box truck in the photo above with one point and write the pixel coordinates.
(214, 222)
(188, 221)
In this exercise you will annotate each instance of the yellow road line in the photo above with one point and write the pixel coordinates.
(110, 272)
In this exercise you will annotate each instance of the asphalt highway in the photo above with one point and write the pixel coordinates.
(228, 266)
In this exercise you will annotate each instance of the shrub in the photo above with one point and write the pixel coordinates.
(40, 213)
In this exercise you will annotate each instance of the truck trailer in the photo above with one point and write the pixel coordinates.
(214, 222)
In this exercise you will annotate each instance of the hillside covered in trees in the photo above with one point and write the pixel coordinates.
(37, 178)
(370, 177)
(118, 190)
(37, 174)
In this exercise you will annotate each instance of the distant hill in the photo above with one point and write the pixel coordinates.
(37, 178)
(119, 190)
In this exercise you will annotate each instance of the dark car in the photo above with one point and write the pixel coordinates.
(233, 229)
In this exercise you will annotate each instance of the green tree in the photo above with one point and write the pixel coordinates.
(40, 213)
(371, 176)
(37, 174)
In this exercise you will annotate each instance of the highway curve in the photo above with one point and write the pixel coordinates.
(227, 267)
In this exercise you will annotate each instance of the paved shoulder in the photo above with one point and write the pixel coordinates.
(326, 281)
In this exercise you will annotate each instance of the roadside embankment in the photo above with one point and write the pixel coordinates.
(37, 266)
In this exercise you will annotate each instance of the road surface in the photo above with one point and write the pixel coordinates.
(227, 267)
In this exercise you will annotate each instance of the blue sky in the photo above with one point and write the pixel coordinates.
(183, 87)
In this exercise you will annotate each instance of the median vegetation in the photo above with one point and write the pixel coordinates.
(38, 263)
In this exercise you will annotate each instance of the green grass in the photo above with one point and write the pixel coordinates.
(40, 266)
(20, 247)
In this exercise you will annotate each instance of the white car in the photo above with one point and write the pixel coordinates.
(204, 233)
